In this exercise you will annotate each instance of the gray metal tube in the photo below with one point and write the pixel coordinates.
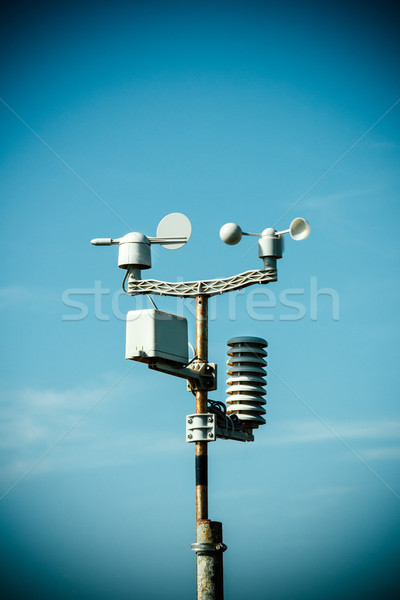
(210, 585)
(201, 407)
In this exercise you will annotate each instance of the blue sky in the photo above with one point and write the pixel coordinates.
(113, 115)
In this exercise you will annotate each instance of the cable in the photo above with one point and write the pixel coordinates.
(226, 421)
(218, 406)
(123, 282)
(229, 419)
(152, 301)
(128, 272)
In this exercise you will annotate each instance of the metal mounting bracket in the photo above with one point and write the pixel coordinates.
(208, 547)
(245, 435)
(209, 287)
(200, 375)
(203, 376)
(201, 427)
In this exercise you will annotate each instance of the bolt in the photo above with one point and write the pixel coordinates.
(190, 436)
(210, 435)
(210, 419)
(190, 421)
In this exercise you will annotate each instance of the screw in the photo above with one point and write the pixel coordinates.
(210, 419)
(190, 421)
(190, 436)
(210, 435)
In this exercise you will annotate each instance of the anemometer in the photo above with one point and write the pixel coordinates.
(160, 340)
(173, 232)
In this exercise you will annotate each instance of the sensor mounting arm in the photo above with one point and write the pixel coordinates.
(191, 289)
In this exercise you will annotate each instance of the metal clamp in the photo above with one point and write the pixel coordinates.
(200, 375)
(203, 376)
(245, 435)
(201, 428)
(208, 547)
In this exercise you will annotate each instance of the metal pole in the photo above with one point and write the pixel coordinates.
(201, 407)
(209, 562)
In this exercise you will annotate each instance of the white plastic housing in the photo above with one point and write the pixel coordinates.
(270, 247)
(134, 251)
(153, 334)
(247, 380)
(270, 244)
(299, 229)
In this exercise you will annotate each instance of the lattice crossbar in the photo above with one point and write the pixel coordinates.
(210, 287)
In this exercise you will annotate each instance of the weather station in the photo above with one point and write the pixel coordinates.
(160, 340)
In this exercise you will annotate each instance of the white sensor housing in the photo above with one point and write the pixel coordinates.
(247, 380)
(134, 251)
(173, 231)
(155, 335)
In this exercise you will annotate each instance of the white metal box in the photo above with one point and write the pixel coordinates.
(153, 334)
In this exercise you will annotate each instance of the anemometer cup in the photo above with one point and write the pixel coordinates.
(230, 234)
(299, 229)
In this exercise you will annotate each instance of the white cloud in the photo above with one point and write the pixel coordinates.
(306, 432)
(383, 145)
(381, 453)
(11, 294)
(332, 200)
(32, 421)
(327, 491)
(31, 416)
(31, 297)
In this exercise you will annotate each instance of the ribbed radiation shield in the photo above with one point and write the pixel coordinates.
(246, 380)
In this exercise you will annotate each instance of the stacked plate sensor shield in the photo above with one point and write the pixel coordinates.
(246, 381)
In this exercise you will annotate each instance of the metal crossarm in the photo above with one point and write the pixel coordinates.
(209, 287)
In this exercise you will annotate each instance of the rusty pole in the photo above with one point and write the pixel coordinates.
(201, 407)
(209, 562)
